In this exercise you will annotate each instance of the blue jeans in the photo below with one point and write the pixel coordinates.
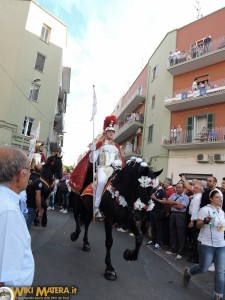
(65, 199)
(52, 200)
(30, 216)
(207, 255)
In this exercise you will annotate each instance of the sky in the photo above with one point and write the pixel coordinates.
(109, 43)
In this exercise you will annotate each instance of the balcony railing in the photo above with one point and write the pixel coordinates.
(132, 103)
(129, 128)
(184, 99)
(196, 51)
(196, 57)
(207, 137)
(128, 151)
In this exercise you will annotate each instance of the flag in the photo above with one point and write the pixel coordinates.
(34, 137)
(94, 108)
(35, 133)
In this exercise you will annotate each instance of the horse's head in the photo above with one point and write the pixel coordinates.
(135, 182)
(52, 168)
(148, 182)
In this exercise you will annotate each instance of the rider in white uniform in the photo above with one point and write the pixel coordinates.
(105, 155)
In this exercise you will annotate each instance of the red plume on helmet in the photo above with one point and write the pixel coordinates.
(109, 123)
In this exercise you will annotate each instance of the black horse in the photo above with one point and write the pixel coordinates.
(124, 201)
(51, 170)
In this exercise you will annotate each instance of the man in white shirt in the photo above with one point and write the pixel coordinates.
(16, 258)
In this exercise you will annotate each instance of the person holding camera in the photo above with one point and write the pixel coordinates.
(211, 244)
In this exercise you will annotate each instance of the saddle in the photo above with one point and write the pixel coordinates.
(88, 191)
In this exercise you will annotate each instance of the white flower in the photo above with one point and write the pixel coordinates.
(122, 201)
(144, 164)
(138, 160)
(116, 194)
(138, 205)
(146, 181)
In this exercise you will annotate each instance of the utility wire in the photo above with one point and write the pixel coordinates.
(23, 92)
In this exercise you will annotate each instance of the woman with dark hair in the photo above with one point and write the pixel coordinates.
(211, 243)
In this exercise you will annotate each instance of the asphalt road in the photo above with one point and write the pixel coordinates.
(60, 262)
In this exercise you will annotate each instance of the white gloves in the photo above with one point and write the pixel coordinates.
(93, 147)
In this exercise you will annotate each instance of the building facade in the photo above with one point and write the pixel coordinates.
(196, 138)
(183, 102)
(34, 83)
(130, 116)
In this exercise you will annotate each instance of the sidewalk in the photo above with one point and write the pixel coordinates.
(204, 281)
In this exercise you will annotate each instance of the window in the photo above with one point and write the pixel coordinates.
(27, 126)
(150, 133)
(155, 73)
(153, 102)
(196, 123)
(45, 33)
(40, 61)
(34, 91)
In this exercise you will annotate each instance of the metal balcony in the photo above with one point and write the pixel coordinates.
(128, 154)
(186, 99)
(188, 62)
(128, 129)
(129, 107)
(196, 140)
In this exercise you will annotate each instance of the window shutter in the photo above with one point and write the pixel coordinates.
(189, 124)
(189, 129)
(210, 121)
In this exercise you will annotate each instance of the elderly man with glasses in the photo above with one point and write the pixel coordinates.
(16, 258)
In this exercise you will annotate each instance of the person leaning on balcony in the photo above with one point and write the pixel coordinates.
(179, 134)
(173, 135)
(171, 58)
(212, 135)
(194, 85)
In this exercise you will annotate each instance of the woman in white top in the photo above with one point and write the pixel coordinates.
(211, 247)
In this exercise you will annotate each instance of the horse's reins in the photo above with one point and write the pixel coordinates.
(45, 182)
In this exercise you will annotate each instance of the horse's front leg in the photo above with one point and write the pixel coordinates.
(133, 254)
(75, 235)
(86, 244)
(110, 273)
(44, 219)
(76, 212)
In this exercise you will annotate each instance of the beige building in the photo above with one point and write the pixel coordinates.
(34, 83)
(157, 117)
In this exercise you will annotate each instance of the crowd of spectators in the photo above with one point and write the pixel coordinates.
(176, 134)
(173, 212)
(137, 116)
(197, 49)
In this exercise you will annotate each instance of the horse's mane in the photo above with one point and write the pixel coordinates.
(52, 169)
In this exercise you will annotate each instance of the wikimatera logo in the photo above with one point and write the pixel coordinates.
(6, 293)
(41, 293)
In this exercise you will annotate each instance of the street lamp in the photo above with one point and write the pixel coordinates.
(29, 99)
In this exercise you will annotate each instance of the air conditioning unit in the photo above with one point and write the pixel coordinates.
(203, 158)
(219, 158)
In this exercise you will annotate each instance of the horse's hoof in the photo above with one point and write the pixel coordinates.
(74, 236)
(110, 275)
(86, 248)
(129, 255)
